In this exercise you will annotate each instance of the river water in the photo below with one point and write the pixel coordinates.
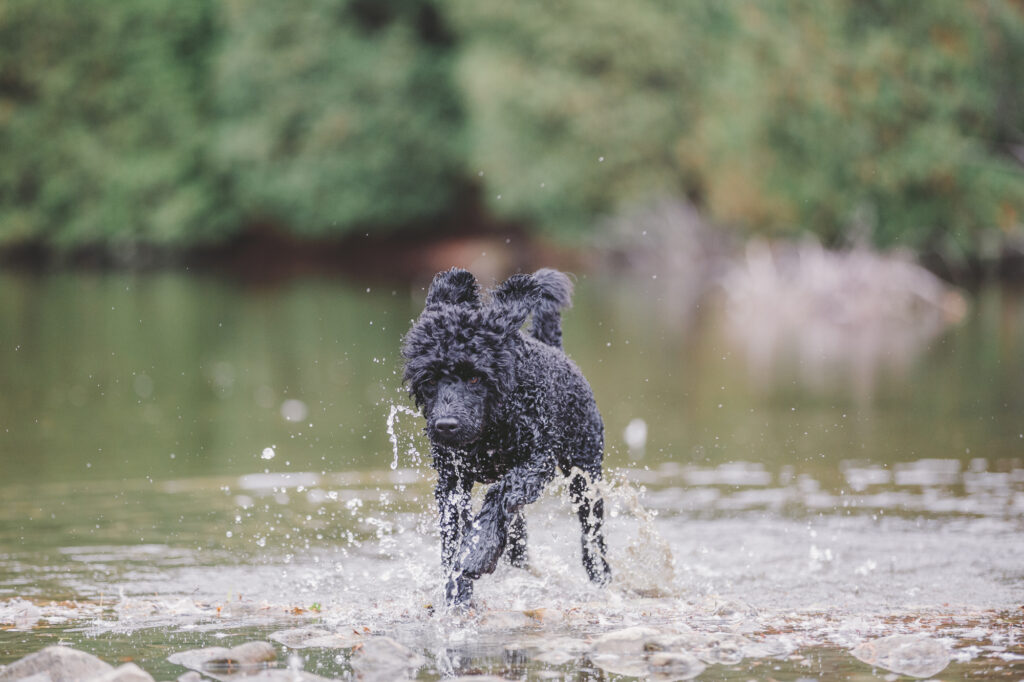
(188, 461)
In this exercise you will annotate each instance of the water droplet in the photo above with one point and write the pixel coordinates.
(294, 410)
(395, 409)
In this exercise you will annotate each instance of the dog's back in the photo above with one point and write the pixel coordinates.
(555, 295)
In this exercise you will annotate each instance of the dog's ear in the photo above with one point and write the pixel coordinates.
(513, 301)
(454, 287)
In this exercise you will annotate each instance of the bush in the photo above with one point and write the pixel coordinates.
(182, 123)
(334, 116)
(104, 124)
(883, 120)
(576, 107)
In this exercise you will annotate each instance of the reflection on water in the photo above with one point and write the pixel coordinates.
(188, 462)
(166, 376)
(843, 317)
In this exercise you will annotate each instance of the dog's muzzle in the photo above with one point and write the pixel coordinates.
(446, 425)
(450, 430)
(455, 428)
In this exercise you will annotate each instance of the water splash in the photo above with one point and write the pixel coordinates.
(710, 578)
(647, 565)
(395, 409)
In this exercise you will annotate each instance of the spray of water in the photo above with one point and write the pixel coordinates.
(395, 409)
(644, 565)
(749, 595)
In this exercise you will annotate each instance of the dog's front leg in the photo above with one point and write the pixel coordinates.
(486, 539)
(454, 506)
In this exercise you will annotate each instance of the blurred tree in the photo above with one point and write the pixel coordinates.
(103, 124)
(878, 120)
(576, 106)
(182, 123)
(884, 121)
(339, 115)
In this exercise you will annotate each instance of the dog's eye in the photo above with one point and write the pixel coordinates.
(474, 379)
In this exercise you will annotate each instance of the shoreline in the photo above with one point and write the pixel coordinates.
(270, 254)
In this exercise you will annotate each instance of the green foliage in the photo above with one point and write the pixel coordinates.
(338, 115)
(884, 119)
(575, 106)
(850, 119)
(102, 123)
(182, 122)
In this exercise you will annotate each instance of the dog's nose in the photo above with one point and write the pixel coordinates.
(446, 424)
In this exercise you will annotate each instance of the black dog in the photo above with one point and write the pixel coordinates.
(503, 407)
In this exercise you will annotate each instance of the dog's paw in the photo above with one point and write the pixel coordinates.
(481, 561)
(598, 570)
(517, 556)
(458, 593)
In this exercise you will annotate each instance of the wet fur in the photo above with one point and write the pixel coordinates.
(504, 407)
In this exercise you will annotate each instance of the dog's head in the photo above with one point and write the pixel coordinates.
(460, 353)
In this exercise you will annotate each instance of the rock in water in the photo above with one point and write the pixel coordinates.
(621, 652)
(242, 657)
(60, 663)
(382, 658)
(626, 641)
(675, 665)
(271, 675)
(304, 638)
(506, 620)
(914, 655)
(551, 650)
(129, 672)
(248, 655)
(627, 665)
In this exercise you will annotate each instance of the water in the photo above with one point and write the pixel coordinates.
(773, 517)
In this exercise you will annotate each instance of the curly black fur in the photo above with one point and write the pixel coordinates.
(502, 407)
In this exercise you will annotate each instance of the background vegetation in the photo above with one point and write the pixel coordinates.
(181, 124)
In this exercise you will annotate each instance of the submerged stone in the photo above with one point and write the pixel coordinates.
(306, 638)
(245, 655)
(631, 665)
(914, 655)
(195, 658)
(382, 658)
(555, 657)
(675, 665)
(648, 653)
(651, 654)
(129, 672)
(506, 620)
(625, 641)
(273, 675)
(242, 657)
(550, 650)
(725, 648)
(58, 664)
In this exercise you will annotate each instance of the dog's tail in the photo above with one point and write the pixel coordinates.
(555, 294)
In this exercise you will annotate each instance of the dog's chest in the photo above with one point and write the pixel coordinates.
(491, 460)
